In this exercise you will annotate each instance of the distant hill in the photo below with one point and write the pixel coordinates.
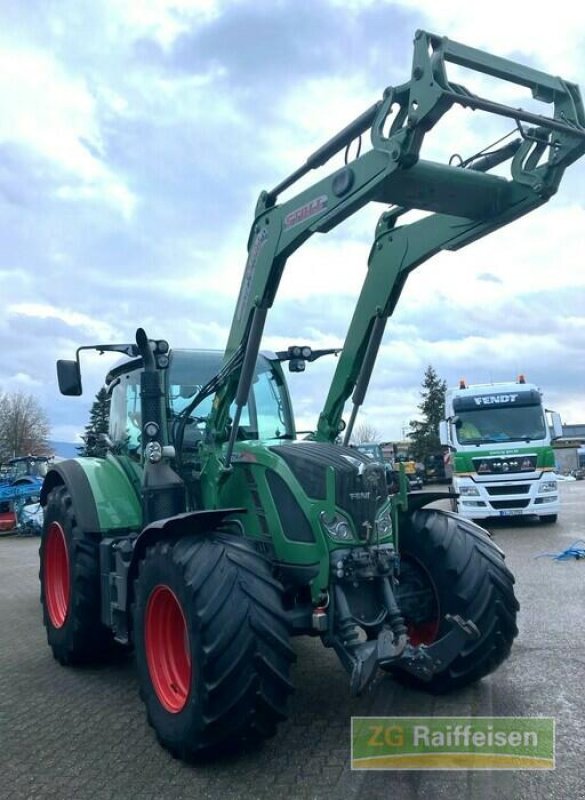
(64, 449)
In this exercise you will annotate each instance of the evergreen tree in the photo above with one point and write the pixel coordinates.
(424, 433)
(99, 420)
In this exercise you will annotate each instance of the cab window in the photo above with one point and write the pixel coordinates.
(125, 421)
(266, 415)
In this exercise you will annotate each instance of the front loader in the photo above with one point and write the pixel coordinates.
(210, 534)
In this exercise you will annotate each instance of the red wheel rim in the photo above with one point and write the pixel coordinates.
(167, 649)
(7, 521)
(423, 632)
(56, 575)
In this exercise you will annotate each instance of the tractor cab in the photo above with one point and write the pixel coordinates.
(25, 469)
(267, 415)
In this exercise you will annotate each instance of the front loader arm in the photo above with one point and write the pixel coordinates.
(396, 252)
(468, 203)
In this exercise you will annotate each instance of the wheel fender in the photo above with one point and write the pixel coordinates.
(175, 527)
(103, 496)
(424, 498)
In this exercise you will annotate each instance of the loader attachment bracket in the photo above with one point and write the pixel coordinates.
(424, 661)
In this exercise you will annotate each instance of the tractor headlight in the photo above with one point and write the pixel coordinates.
(336, 527)
(384, 523)
(153, 452)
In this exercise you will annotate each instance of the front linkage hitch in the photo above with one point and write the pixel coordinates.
(363, 599)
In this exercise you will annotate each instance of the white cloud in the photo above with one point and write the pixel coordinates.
(53, 113)
(89, 326)
(47, 110)
(164, 20)
(22, 382)
(66, 433)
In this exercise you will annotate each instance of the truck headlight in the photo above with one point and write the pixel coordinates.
(468, 491)
(547, 486)
(336, 527)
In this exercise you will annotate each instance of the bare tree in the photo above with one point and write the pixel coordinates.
(364, 432)
(24, 426)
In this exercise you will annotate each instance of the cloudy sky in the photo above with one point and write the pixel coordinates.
(135, 138)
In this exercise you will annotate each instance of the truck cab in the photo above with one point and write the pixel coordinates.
(502, 457)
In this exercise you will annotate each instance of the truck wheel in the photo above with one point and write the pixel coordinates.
(549, 519)
(70, 585)
(450, 566)
(212, 644)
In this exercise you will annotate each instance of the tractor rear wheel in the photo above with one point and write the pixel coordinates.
(70, 585)
(212, 644)
(449, 565)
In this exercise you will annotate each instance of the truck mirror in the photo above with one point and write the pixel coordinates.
(443, 433)
(69, 378)
(556, 425)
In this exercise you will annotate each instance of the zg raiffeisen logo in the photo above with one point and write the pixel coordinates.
(476, 743)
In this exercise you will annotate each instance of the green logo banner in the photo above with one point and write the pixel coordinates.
(407, 743)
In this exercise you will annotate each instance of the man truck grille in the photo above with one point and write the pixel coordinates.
(521, 488)
(510, 503)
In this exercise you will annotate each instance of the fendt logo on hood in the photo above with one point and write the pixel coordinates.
(495, 399)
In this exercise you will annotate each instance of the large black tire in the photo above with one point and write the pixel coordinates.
(70, 585)
(451, 566)
(212, 644)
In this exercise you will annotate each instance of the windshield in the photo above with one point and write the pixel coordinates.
(266, 415)
(35, 467)
(372, 450)
(484, 425)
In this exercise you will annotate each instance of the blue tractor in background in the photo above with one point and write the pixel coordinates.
(21, 480)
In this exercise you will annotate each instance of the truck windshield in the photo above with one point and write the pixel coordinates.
(372, 450)
(500, 425)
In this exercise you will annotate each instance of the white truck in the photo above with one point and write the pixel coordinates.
(503, 464)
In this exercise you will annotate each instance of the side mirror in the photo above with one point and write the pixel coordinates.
(556, 425)
(444, 433)
(69, 378)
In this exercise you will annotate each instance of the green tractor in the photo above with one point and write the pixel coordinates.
(210, 534)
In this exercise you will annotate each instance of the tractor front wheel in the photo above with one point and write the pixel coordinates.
(449, 565)
(70, 585)
(212, 644)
